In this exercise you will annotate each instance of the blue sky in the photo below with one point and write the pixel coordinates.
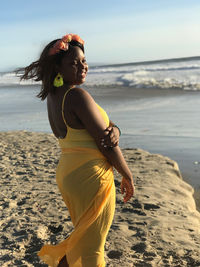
(115, 31)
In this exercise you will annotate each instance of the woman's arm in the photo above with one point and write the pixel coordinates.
(85, 108)
(112, 136)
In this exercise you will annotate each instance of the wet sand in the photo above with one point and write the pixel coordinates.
(160, 226)
(184, 150)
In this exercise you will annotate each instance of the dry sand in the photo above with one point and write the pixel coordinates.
(160, 226)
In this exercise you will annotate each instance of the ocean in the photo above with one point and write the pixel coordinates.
(156, 105)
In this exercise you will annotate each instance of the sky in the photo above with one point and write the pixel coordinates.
(114, 31)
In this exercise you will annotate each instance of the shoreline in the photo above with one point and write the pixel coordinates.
(158, 227)
(184, 150)
(115, 92)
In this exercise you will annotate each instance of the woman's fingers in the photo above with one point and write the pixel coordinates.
(127, 187)
(110, 139)
(128, 195)
(109, 128)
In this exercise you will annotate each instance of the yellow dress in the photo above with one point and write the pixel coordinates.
(86, 182)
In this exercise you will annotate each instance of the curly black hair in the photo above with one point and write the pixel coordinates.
(44, 69)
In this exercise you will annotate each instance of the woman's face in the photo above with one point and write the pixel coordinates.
(73, 67)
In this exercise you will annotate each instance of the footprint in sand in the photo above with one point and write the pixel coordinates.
(114, 254)
(139, 248)
(137, 232)
(138, 212)
(55, 229)
(136, 204)
(148, 206)
(114, 227)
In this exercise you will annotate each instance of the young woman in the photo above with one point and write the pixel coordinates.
(89, 150)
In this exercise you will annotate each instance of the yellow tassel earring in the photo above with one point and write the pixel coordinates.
(58, 81)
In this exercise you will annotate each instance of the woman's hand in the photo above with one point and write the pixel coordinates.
(127, 188)
(111, 139)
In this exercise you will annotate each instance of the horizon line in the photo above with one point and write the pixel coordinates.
(97, 65)
(147, 61)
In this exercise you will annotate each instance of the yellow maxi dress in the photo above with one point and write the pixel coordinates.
(86, 182)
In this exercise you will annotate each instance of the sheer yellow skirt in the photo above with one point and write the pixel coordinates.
(85, 180)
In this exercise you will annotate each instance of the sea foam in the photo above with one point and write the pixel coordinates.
(183, 74)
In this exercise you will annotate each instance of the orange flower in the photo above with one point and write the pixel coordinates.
(77, 38)
(63, 44)
(67, 38)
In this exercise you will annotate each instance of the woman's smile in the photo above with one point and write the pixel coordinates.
(82, 74)
(74, 74)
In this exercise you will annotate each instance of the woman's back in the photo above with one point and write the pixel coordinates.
(65, 125)
(55, 102)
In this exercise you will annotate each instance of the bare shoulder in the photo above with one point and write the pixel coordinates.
(79, 95)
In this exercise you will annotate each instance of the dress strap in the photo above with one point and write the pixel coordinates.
(63, 105)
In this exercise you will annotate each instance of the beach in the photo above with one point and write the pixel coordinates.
(160, 226)
(157, 107)
(159, 121)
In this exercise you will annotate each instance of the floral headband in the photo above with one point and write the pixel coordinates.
(63, 44)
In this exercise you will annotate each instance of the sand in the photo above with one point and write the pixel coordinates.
(160, 226)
